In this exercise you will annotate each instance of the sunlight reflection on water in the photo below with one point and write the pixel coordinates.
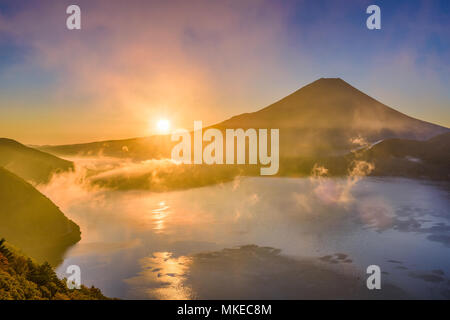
(159, 216)
(162, 277)
(127, 235)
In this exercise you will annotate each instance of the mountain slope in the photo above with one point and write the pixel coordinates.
(324, 117)
(331, 103)
(411, 158)
(32, 222)
(320, 119)
(28, 163)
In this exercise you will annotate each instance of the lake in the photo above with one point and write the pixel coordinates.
(263, 238)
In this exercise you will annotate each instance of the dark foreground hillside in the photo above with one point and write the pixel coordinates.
(30, 221)
(23, 279)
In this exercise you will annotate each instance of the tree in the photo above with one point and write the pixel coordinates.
(4, 250)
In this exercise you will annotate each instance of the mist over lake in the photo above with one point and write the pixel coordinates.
(262, 238)
(224, 150)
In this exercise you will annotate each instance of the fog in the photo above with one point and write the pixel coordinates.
(128, 233)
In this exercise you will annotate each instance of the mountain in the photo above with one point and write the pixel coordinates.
(411, 158)
(323, 118)
(31, 222)
(30, 164)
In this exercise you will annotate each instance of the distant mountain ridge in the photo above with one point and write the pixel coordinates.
(429, 159)
(322, 118)
(411, 158)
(30, 164)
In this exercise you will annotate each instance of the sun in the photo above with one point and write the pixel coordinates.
(163, 126)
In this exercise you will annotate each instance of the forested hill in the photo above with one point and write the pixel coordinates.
(30, 221)
(23, 279)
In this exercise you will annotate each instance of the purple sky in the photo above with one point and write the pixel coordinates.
(135, 62)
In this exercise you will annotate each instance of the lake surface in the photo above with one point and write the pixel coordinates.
(280, 238)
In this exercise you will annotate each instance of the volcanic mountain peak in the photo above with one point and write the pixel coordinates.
(333, 104)
(327, 84)
(321, 118)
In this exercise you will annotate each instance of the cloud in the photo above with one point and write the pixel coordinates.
(135, 61)
(70, 188)
(138, 60)
(332, 191)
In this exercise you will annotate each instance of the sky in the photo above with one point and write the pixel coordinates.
(134, 63)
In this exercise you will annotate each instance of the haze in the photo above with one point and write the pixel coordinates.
(134, 64)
